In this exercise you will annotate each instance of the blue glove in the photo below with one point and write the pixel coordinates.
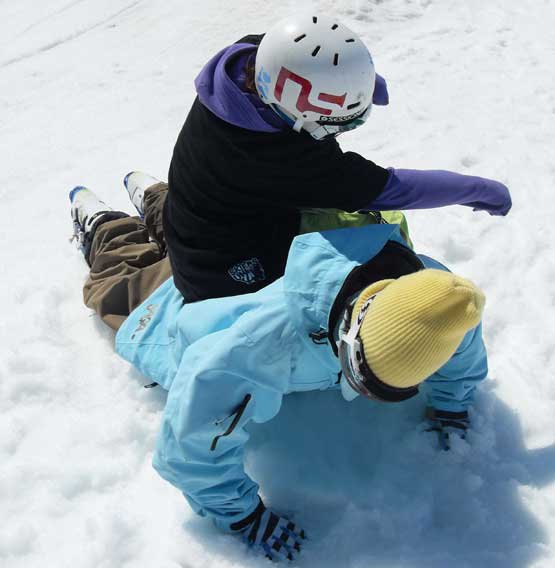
(447, 424)
(276, 536)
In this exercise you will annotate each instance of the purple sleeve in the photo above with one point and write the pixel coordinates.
(426, 189)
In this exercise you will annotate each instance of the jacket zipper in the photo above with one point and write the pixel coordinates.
(238, 413)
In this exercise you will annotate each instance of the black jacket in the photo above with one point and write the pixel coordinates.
(235, 196)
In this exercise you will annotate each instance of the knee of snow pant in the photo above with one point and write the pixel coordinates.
(153, 205)
(126, 267)
(315, 220)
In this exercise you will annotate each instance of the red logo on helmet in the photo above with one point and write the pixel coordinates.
(303, 104)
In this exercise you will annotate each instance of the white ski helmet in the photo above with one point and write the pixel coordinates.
(316, 74)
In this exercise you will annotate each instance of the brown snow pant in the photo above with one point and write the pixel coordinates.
(128, 261)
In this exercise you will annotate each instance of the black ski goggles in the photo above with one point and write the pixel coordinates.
(356, 372)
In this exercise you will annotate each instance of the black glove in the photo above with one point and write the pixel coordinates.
(447, 423)
(277, 536)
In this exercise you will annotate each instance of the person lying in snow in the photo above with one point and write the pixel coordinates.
(257, 161)
(357, 312)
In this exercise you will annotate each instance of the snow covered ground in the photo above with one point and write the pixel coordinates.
(90, 89)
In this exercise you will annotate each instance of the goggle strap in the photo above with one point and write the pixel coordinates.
(360, 377)
(352, 335)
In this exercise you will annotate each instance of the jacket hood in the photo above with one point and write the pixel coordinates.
(220, 88)
(317, 266)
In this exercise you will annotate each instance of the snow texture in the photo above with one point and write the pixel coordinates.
(92, 89)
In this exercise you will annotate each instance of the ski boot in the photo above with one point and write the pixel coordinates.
(87, 212)
(136, 184)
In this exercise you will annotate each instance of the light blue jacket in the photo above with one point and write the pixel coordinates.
(229, 361)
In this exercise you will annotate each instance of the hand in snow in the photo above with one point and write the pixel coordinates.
(276, 536)
(496, 200)
(447, 424)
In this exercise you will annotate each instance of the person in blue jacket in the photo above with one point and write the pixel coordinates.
(357, 312)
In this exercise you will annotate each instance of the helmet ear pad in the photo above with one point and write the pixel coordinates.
(315, 69)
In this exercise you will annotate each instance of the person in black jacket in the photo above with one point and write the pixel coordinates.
(258, 151)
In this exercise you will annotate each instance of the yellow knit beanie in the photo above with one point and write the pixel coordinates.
(415, 324)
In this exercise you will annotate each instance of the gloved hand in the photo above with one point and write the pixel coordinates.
(277, 536)
(447, 424)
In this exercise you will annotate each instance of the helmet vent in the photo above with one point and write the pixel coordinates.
(334, 27)
(336, 59)
(297, 39)
(349, 40)
(314, 20)
(316, 50)
(354, 105)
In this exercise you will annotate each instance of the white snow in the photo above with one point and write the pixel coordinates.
(92, 89)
